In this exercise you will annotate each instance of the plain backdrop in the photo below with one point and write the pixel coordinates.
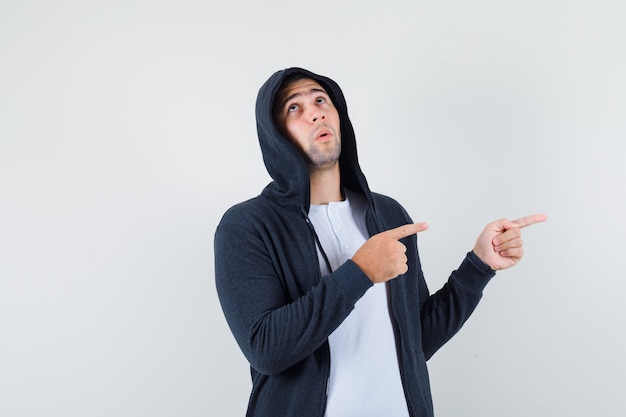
(127, 129)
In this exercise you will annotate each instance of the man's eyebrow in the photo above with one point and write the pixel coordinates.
(313, 90)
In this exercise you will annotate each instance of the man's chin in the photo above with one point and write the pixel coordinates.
(320, 166)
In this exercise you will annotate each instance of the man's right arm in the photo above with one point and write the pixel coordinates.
(273, 330)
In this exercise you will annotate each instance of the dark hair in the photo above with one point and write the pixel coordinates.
(292, 78)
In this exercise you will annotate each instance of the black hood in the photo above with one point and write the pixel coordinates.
(284, 162)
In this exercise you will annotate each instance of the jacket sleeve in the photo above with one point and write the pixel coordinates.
(274, 330)
(444, 313)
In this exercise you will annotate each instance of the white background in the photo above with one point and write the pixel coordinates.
(127, 129)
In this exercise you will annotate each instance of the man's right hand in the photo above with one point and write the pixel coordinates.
(383, 257)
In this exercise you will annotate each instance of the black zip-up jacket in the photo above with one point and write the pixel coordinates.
(279, 307)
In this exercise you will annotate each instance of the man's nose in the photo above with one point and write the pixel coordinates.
(316, 115)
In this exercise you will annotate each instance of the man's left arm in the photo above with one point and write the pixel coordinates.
(498, 247)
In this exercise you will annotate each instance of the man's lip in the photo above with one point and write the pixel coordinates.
(323, 134)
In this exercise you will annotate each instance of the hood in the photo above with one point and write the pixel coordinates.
(286, 165)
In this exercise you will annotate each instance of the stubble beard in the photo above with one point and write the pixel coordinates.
(323, 157)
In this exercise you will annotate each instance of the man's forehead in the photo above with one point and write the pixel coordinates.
(299, 87)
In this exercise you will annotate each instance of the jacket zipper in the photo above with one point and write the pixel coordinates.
(326, 347)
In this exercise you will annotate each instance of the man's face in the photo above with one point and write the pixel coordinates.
(306, 115)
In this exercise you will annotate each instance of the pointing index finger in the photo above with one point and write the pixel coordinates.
(530, 220)
(406, 230)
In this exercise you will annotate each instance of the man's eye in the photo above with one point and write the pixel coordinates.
(320, 100)
(292, 108)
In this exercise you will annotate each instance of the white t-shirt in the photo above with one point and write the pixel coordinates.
(364, 371)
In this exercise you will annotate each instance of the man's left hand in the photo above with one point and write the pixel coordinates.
(500, 244)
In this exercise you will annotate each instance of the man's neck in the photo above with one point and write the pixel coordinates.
(326, 186)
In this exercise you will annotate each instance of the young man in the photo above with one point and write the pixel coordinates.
(320, 279)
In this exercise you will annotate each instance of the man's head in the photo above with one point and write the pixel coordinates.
(305, 114)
